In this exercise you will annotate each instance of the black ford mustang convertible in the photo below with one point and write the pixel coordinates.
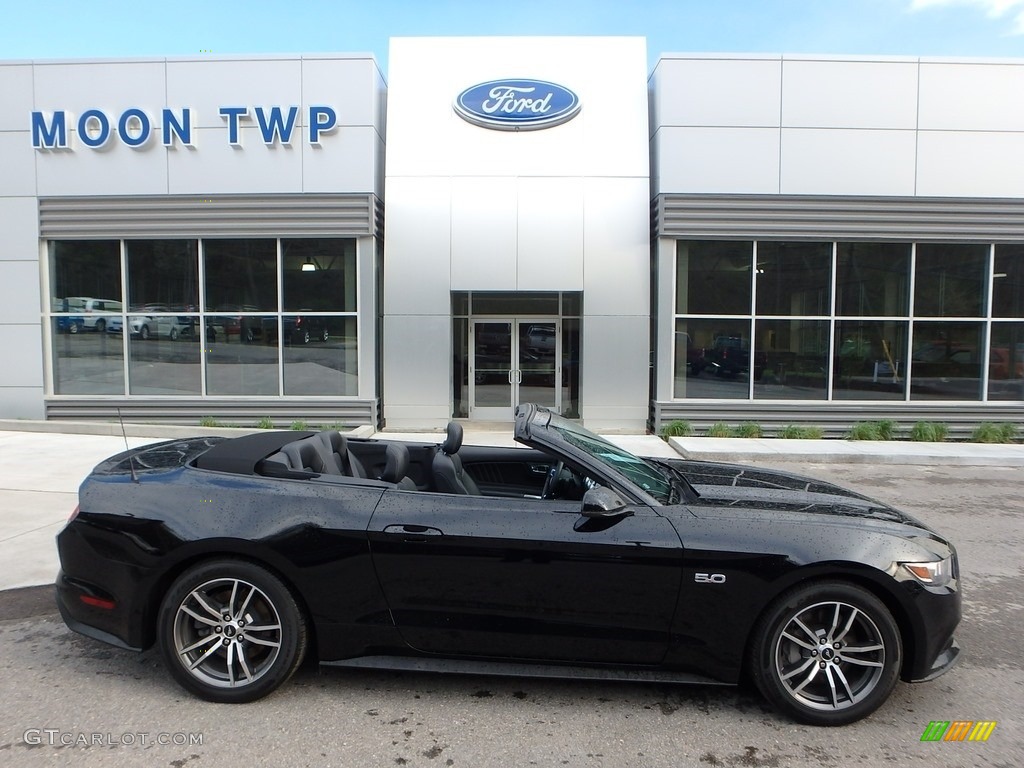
(568, 557)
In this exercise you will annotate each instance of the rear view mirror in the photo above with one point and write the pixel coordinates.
(603, 502)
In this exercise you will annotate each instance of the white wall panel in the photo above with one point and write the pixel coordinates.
(550, 235)
(19, 291)
(616, 236)
(418, 358)
(206, 85)
(115, 169)
(847, 162)
(717, 92)
(22, 402)
(615, 371)
(417, 249)
(351, 162)
(849, 94)
(970, 164)
(351, 86)
(19, 223)
(717, 160)
(213, 165)
(16, 88)
(23, 354)
(484, 217)
(17, 163)
(108, 86)
(972, 97)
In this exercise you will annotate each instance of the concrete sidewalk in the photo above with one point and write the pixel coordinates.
(40, 471)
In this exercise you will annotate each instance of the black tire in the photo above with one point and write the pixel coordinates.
(174, 333)
(249, 335)
(101, 325)
(144, 332)
(325, 335)
(192, 631)
(73, 328)
(304, 337)
(839, 660)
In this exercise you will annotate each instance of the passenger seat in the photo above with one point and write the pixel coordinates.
(338, 459)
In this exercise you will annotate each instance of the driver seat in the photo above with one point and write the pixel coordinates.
(449, 475)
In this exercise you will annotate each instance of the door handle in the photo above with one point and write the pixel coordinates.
(413, 532)
(519, 376)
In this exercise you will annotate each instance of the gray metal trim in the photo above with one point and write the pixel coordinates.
(822, 217)
(303, 215)
(243, 413)
(836, 417)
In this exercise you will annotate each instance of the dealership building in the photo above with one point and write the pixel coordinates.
(776, 239)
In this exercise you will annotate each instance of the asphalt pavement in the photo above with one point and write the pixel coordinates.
(43, 463)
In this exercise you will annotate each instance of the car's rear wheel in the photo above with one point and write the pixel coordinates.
(826, 653)
(144, 332)
(230, 631)
(174, 334)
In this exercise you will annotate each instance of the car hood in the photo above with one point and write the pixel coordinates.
(746, 490)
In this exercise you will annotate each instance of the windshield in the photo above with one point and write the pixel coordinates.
(635, 469)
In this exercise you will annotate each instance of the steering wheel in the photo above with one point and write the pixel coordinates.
(551, 481)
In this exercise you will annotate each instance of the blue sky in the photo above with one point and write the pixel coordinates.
(114, 28)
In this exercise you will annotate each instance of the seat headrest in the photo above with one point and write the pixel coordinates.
(335, 441)
(453, 442)
(396, 463)
(303, 455)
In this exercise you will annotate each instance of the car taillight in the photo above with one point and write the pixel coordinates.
(74, 513)
(98, 602)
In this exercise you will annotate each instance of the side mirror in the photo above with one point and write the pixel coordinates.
(603, 502)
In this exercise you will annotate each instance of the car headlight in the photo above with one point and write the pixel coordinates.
(937, 573)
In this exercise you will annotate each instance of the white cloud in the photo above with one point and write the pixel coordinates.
(995, 9)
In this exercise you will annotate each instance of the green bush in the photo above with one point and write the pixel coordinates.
(265, 423)
(864, 430)
(873, 430)
(719, 430)
(797, 432)
(987, 432)
(209, 421)
(299, 425)
(749, 430)
(929, 432)
(677, 428)
(886, 429)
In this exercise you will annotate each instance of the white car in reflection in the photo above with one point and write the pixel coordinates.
(154, 325)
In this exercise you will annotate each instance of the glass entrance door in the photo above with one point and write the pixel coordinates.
(514, 360)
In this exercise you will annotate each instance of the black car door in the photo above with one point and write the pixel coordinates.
(526, 578)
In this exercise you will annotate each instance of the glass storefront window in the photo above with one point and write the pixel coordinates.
(163, 355)
(712, 358)
(869, 360)
(319, 274)
(321, 355)
(85, 363)
(1008, 282)
(946, 362)
(570, 367)
(713, 277)
(460, 362)
(241, 275)
(950, 280)
(238, 359)
(794, 278)
(790, 359)
(85, 301)
(1006, 362)
(873, 279)
(163, 275)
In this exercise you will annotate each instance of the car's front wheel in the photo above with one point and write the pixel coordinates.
(826, 653)
(230, 631)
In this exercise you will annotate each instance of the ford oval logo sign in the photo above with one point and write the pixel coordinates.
(517, 105)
